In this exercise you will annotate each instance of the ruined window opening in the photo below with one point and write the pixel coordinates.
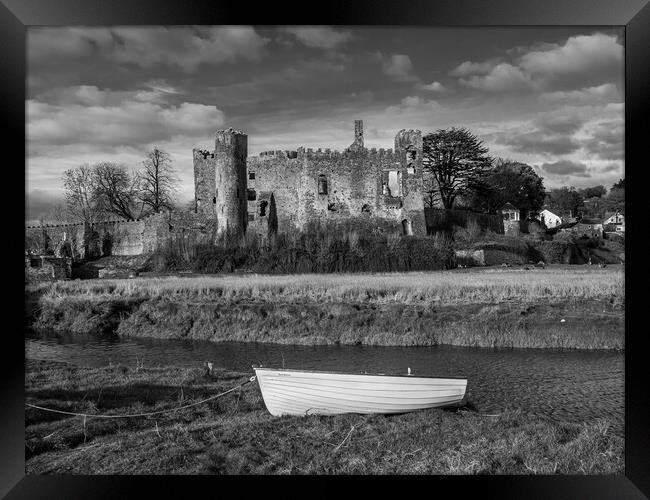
(214, 200)
(36, 262)
(263, 206)
(332, 207)
(411, 156)
(395, 183)
(251, 217)
(251, 176)
(365, 209)
(252, 195)
(322, 184)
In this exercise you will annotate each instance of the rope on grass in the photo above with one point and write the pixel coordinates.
(85, 415)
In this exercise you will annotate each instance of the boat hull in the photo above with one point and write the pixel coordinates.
(303, 392)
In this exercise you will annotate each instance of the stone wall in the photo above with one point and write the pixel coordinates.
(47, 268)
(56, 240)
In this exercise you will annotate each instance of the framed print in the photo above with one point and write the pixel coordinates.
(372, 240)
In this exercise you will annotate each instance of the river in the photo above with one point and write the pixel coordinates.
(560, 384)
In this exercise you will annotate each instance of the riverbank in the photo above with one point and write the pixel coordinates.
(560, 307)
(236, 435)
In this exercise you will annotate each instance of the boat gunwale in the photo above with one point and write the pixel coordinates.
(358, 374)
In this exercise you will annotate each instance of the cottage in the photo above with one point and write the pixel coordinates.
(510, 212)
(590, 228)
(549, 219)
(511, 219)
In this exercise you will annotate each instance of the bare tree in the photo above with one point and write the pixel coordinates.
(59, 214)
(80, 193)
(455, 158)
(431, 193)
(158, 180)
(117, 191)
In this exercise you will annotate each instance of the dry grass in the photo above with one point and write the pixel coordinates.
(481, 308)
(236, 435)
(448, 287)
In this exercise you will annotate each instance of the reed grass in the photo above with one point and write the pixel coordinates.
(576, 308)
(449, 287)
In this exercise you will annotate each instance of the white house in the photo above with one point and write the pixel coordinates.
(549, 218)
(616, 218)
(510, 212)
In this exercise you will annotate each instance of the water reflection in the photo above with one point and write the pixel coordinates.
(566, 385)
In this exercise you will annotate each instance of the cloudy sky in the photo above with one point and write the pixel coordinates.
(549, 97)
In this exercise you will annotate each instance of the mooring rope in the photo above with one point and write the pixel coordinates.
(132, 415)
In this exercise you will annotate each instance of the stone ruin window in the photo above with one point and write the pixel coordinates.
(36, 262)
(407, 227)
(251, 217)
(365, 209)
(251, 176)
(263, 206)
(411, 156)
(252, 195)
(214, 200)
(322, 184)
(332, 207)
(395, 183)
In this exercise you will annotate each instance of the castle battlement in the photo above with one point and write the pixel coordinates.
(203, 152)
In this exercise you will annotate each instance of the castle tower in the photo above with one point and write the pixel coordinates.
(408, 148)
(205, 194)
(231, 204)
(357, 145)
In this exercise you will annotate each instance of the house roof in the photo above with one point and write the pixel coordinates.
(610, 214)
(547, 210)
(509, 206)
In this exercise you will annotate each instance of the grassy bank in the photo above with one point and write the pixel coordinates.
(236, 435)
(484, 308)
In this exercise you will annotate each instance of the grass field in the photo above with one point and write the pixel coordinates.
(565, 306)
(236, 435)
(449, 287)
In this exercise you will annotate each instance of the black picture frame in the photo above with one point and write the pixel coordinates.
(634, 15)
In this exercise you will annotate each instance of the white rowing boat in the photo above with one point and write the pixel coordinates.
(307, 392)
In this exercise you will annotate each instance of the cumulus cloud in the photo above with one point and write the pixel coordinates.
(87, 115)
(566, 167)
(605, 140)
(581, 61)
(600, 94)
(548, 134)
(584, 55)
(183, 47)
(319, 37)
(473, 68)
(413, 104)
(500, 78)
(399, 67)
(433, 87)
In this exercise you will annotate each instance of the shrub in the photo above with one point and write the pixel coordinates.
(321, 248)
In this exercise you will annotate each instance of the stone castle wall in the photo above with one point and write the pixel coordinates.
(356, 182)
(87, 241)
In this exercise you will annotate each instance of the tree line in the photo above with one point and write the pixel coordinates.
(106, 189)
(459, 173)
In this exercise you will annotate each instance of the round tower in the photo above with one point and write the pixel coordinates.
(230, 152)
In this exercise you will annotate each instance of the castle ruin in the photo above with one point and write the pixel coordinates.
(274, 191)
(284, 190)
